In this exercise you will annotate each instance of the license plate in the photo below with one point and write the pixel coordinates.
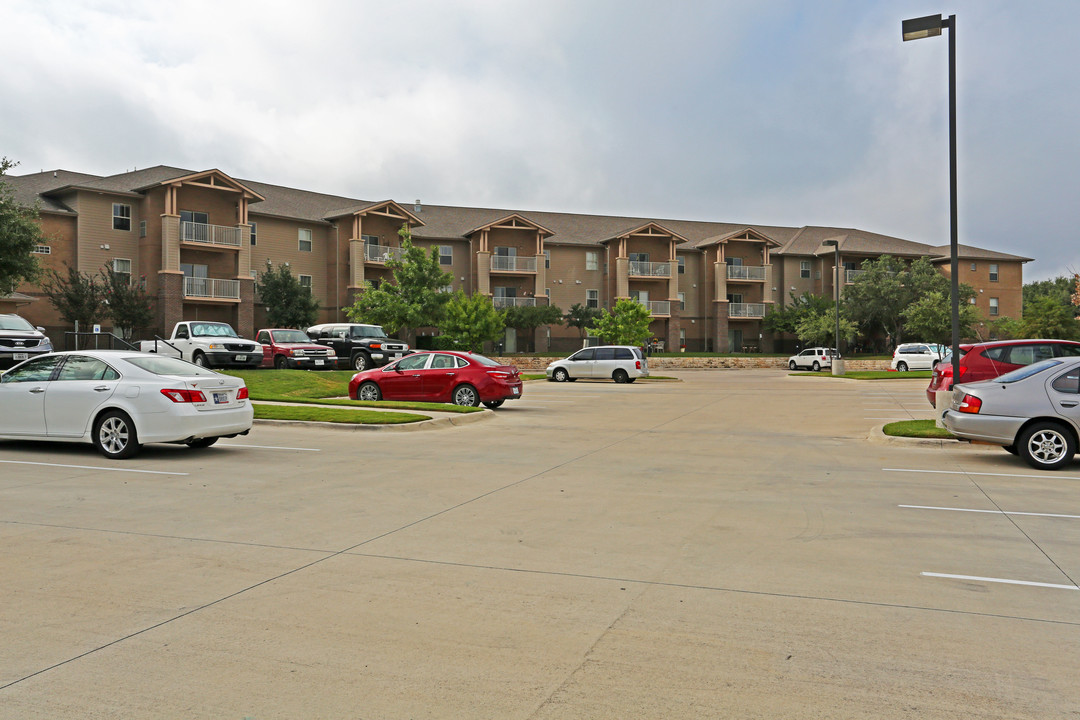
(241, 358)
(318, 362)
(19, 356)
(397, 355)
(516, 390)
(221, 398)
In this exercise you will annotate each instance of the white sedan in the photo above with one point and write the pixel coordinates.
(119, 400)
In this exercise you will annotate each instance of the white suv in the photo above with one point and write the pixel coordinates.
(917, 356)
(813, 359)
(621, 363)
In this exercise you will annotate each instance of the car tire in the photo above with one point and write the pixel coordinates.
(816, 366)
(901, 367)
(560, 375)
(200, 360)
(494, 403)
(465, 395)
(571, 379)
(1011, 449)
(361, 362)
(630, 380)
(369, 392)
(202, 443)
(280, 363)
(115, 436)
(1046, 445)
(792, 366)
(620, 376)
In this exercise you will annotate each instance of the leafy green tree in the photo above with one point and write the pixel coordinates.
(877, 299)
(526, 318)
(471, 321)
(1060, 289)
(819, 328)
(128, 305)
(288, 303)
(787, 319)
(78, 297)
(1046, 317)
(1007, 328)
(625, 324)
(414, 300)
(19, 233)
(581, 317)
(929, 318)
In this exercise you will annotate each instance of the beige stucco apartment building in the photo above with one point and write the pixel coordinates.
(196, 239)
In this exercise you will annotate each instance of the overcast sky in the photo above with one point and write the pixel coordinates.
(772, 112)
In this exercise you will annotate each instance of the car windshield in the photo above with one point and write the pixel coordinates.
(368, 331)
(212, 330)
(14, 322)
(1027, 371)
(291, 336)
(160, 365)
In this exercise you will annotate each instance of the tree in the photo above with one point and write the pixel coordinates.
(819, 328)
(1046, 317)
(78, 297)
(471, 321)
(929, 318)
(19, 234)
(1060, 289)
(625, 324)
(526, 318)
(787, 319)
(288, 303)
(414, 300)
(581, 317)
(1007, 328)
(877, 299)
(129, 305)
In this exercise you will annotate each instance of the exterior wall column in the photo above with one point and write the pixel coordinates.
(768, 296)
(483, 266)
(245, 311)
(170, 242)
(170, 305)
(721, 327)
(243, 258)
(720, 281)
(356, 263)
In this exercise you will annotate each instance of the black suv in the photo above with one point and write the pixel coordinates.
(359, 346)
(19, 340)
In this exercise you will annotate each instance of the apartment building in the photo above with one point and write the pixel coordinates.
(197, 239)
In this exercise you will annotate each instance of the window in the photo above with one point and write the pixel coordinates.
(38, 370)
(682, 266)
(993, 306)
(682, 301)
(592, 298)
(142, 228)
(122, 267)
(447, 289)
(804, 269)
(974, 267)
(547, 259)
(370, 239)
(993, 272)
(254, 233)
(592, 260)
(42, 250)
(121, 217)
(80, 367)
(446, 254)
(304, 239)
(1068, 382)
(734, 262)
(639, 257)
(305, 282)
(547, 292)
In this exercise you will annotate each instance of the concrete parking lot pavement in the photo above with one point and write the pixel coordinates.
(726, 546)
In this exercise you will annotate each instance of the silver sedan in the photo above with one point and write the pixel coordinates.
(1033, 412)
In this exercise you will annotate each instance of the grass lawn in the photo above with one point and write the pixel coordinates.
(334, 415)
(872, 374)
(917, 429)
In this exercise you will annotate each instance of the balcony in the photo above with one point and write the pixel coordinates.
(381, 253)
(211, 288)
(216, 235)
(649, 269)
(751, 311)
(505, 302)
(513, 263)
(746, 272)
(850, 275)
(660, 308)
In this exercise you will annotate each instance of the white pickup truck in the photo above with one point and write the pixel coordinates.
(209, 344)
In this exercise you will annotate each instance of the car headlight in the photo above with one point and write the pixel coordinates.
(299, 353)
(215, 346)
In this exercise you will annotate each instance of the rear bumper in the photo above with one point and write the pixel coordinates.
(194, 424)
(996, 429)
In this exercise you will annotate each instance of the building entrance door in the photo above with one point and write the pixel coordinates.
(734, 340)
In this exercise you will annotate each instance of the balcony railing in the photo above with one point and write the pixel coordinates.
(505, 302)
(660, 308)
(746, 310)
(649, 269)
(746, 272)
(513, 263)
(205, 234)
(381, 253)
(850, 275)
(198, 287)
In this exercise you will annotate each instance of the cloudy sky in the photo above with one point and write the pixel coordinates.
(783, 112)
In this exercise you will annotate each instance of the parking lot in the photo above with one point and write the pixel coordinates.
(731, 545)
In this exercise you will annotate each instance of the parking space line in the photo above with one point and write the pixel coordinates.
(991, 512)
(972, 472)
(1000, 580)
(269, 447)
(92, 467)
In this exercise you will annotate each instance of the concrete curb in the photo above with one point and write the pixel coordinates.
(430, 424)
(877, 436)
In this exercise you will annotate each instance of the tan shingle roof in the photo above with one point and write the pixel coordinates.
(968, 252)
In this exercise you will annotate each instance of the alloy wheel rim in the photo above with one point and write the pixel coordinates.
(1047, 447)
(465, 396)
(114, 435)
(367, 393)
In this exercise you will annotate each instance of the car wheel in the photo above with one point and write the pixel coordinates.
(202, 443)
(1011, 449)
(620, 376)
(280, 362)
(792, 366)
(361, 362)
(115, 436)
(465, 395)
(200, 360)
(369, 392)
(560, 375)
(901, 367)
(494, 403)
(816, 366)
(1046, 446)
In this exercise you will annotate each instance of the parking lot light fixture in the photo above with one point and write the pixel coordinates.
(837, 364)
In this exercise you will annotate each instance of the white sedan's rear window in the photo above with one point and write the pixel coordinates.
(167, 366)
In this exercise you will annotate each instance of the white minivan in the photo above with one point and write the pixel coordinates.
(917, 356)
(621, 363)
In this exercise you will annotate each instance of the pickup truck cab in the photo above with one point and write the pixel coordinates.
(208, 344)
(294, 349)
(359, 346)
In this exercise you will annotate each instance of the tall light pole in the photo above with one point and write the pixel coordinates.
(915, 29)
(837, 364)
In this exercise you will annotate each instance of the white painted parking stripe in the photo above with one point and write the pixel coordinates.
(991, 512)
(269, 447)
(966, 472)
(92, 467)
(1000, 580)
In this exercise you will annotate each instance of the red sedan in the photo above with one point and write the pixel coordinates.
(450, 377)
(988, 360)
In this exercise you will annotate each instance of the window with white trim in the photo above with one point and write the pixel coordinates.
(305, 282)
(254, 233)
(993, 306)
(42, 250)
(592, 298)
(121, 216)
(304, 239)
(142, 228)
(547, 259)
(122, 268)
(804, 269)
(446, 254)
(682, 265)
(682, 301)
(592, 260)
(993, 272)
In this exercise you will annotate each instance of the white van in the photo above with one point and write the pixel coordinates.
(621, 363)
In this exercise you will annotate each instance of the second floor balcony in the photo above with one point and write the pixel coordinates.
(649, 269)
(502, 302)
(746, 272)
(381, 253)
(513, 263)
(851, 275)
(211, 288)
(206, 234)
(746, 310)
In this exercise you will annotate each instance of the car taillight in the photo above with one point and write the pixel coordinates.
(970, 404)
(242, 393)
(637, 364)
(182, 395)
(498, 373)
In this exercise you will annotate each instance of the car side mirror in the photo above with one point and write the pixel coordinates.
(40, 329)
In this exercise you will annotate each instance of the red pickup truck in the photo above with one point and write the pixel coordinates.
(283, 348)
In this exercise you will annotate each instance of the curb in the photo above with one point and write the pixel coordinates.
(878, 437)
(429, 424)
